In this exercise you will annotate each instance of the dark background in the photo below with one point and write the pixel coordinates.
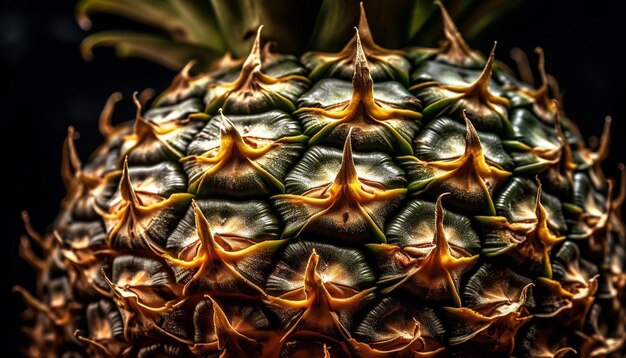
(46, 86)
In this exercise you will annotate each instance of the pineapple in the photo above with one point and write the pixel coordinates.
(367, 202)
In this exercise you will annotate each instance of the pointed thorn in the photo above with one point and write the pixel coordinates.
(145, 96)
(483, 80)
(361, 80)
(108, 281)
(360, 57)
(112, 287)
(32, 233)
(27, 254)
(472, 141)
(254, 58)
(542, 70)
(457, 45)
(220, 323)
(605, 139)
(450, 30)
(439, 240)
(310, 273)
(71, 147)
(105, 122)
(553, 84)
(184, 73)
(541, 94)
(231, 138)
(205, 234)
(364, 27)
(138, 105)
(227, 127)
(523, 66)
(347, 173)
(126, 186)
(227, 60)
(33, 302)
(101, 348)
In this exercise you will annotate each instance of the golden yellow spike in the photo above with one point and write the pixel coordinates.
(70, 164)
(455, 49)
(104, 351)
(480, 88)
(362, 107)
(542, 232)
(498, 325)
(77, 182)
(318, 309)
(602, 151)
(475, 97)
(226, 61)
(387, 64)
(364, 27)
(233, 149)
(345, 194)
(312, 280)
(347, 174)
(440, 265)
(523, 67)
(126, 187)
(470, 169)
(145, 96)
(251, 65)
(362, 81)
(251, 80)
(32, 233)
(71, 146)
(372, 49)
(209, 257)
(228, 339)
(146, 132)
(544, 105)
(26, 253)
(57, 318)
(575, 294)
(564, 163)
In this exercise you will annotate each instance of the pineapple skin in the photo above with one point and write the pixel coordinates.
(371, 203)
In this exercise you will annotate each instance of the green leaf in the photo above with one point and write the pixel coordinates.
(334, 23)
(198, 19)
(389, 21)
(480, 15)
(166, 52)
(149, 12)
(423, 10)
(184, 20)
(237, 20)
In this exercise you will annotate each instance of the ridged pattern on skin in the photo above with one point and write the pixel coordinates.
(442, 209)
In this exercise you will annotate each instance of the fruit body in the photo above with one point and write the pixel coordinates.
(371, 203)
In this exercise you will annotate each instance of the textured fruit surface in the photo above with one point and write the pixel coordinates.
(369, 203)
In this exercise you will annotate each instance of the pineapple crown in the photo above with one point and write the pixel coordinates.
(204, 31)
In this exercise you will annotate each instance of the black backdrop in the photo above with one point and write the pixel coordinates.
(46, 86)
